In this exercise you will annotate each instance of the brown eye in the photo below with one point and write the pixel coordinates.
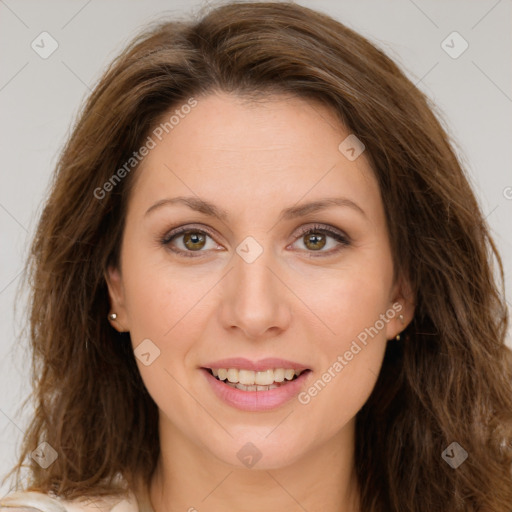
(189, 242)
(194, 240)
(315, 241)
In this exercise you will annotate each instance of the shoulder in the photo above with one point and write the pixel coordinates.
(29, 501)
(33, 501)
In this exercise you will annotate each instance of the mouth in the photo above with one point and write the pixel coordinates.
(254, 381)
(256, 386)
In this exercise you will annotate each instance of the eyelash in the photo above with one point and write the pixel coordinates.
(343, 240)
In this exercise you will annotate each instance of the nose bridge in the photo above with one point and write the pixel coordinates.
(254, 277)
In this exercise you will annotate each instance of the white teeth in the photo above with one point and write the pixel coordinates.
(246, 377)
(264, 378)
(243, 387)
(252, 379)
(233, 375)
(278, 375)
(289, 374)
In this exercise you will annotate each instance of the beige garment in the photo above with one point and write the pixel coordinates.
(31, 501)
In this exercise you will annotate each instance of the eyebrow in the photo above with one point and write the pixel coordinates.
(207, 208)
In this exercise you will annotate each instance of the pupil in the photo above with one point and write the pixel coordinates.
(194, 238)
(315, 238)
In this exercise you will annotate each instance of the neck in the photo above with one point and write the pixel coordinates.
(188, 478)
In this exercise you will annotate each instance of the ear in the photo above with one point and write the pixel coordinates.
(403, 304)
(116, 294)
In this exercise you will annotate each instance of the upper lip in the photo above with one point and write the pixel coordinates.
(240, 363)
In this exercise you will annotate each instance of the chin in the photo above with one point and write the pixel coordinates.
(257, 452)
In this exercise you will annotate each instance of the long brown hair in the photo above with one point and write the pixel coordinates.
(447, 380)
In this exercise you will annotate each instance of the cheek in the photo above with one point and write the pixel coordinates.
(355, 306)
(352, 362)
(349, 300)
(334, 397)
(167, 306)
(147, 299)
(166, 317)
(158, 294)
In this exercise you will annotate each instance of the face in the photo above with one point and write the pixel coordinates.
(261, 283)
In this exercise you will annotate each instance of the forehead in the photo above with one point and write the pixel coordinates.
(235, 151)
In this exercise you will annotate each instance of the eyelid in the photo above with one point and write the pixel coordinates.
(323, 228)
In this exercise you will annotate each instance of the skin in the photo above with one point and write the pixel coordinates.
(254, 160)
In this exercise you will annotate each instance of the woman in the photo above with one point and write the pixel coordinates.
(262, 280)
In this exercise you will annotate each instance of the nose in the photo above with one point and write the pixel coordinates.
(255, 301)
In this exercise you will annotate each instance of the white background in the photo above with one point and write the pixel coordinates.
(39, 99)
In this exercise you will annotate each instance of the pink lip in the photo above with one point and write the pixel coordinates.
(256, 401)
(241, 363)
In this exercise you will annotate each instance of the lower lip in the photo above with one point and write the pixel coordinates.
(256, 400)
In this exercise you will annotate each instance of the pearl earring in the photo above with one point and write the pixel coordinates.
(112, 316)
(401, 317)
